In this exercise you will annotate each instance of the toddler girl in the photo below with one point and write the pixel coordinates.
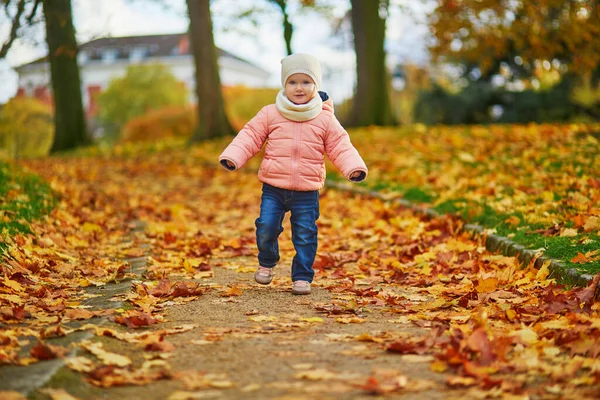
(300, 128)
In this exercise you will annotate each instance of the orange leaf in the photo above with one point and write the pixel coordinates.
(487, 285)
(513, 220)
(579, 259)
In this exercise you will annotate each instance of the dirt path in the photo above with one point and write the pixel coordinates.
(402, 306)
(271, 345)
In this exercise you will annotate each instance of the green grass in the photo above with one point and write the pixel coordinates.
(559, 248)
(23, 198)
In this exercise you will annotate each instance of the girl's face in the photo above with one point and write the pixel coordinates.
(300, 88)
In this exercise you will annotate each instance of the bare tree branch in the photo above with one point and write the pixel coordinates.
(33, 12)
(16, 24)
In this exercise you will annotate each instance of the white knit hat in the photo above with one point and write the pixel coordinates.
(301, 64)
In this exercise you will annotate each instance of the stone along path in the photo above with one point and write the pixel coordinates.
(402, 306)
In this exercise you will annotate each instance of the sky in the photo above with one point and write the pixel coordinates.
(262, 45)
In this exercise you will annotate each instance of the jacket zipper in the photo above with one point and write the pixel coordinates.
(295, 155)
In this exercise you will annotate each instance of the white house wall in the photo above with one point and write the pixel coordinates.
(97, 73)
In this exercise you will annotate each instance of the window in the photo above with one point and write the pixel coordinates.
(138, 53)
(109, 56)
(82, 57)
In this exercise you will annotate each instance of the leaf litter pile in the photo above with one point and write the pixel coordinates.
(536, 183)
(485, 326)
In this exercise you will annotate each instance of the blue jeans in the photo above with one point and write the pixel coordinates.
(304, 208)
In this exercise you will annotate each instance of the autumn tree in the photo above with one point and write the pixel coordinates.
(212, 119)
(371, 103)
(69, 116)
(545, 30)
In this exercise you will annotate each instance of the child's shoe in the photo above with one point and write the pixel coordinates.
(301, 287)
(263, 275)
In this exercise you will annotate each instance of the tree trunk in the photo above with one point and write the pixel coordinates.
(288, 28)
(212, 119)
(69, 117)
(371, 103)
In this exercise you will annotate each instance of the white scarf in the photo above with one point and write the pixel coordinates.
(298, 112)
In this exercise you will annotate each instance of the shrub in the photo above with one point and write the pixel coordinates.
(241, 104)
(26, 128)
(144, 88)
(167, 122)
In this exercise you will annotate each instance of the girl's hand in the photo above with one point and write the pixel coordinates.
(228, 164)
(355, 175)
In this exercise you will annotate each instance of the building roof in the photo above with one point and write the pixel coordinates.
(156, 45)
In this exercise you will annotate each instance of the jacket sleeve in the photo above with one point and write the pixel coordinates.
(342, 153)
(247, 142)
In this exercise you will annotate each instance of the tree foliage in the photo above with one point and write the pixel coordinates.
(144, 87)
(475, 105)
(484, 31)
(26, 128)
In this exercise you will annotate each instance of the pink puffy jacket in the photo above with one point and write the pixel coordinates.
(294, 154)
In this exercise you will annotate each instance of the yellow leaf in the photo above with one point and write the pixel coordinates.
(232, 291)
(460, 246)
(80, 364)
(65, 256)
(548, 196)
(365, 337)
(551, 351)
(556, 324)
(188, 266)
(487, 285)
(11, 395)
(466, 157)
(438, 366)
(543, 272)
(350, 320)
(311, 319)
(245, 269)
(316, 375)
(592, 224)
(416, 358)
(569, 232)
(14, 285)
(262, 318)
(527, 335)
(58, 394)
(523, 281)
(89, 227)
(220, 384)
(511, 314)
(13, 298)
(106, 357)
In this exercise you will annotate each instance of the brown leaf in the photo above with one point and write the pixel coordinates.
(79, 314)
(135, 319)
(44, 351)
(163, 289)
